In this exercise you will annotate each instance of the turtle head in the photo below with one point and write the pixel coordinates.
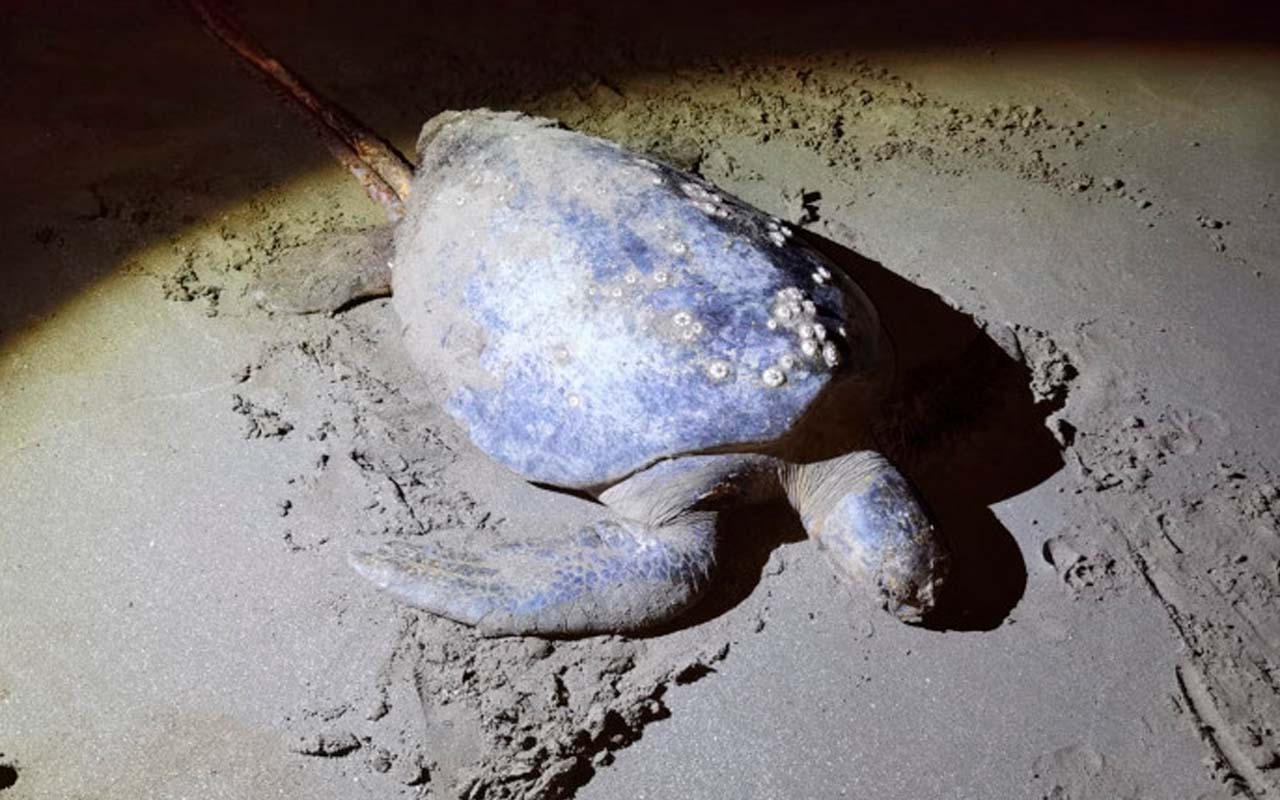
(873, 525)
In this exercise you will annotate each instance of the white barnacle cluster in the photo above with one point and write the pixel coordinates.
(630, 283)
(705, 200)
(791, 308)
(796, 313)
(687, 327)
(779, 232)
(655, 169)
(680, 326)
(672, 237)
(718, 370)
(607, 291)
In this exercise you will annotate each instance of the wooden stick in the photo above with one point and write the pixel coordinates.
(384, 173)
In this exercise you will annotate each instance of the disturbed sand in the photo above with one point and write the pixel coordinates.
(1073, 248)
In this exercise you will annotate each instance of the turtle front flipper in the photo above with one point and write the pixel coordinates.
(333, 272)
(645, 564)
(873, 525)
(612, 576)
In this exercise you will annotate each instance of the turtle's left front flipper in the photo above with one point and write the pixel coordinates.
(646, 563)
(612, 576)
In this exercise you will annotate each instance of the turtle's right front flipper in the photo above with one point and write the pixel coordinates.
(612, 576)
(330, 273)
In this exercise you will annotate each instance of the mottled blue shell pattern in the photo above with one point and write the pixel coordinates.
(585, 311)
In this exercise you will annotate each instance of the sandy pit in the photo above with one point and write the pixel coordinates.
(1071, 229)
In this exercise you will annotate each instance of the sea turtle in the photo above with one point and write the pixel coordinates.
(602, 322)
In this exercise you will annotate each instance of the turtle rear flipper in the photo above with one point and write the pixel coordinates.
(611, 576)
(329, 274)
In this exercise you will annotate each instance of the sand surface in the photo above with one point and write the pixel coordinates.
(1073, 244)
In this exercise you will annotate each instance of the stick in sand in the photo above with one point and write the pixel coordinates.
(384, 173)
